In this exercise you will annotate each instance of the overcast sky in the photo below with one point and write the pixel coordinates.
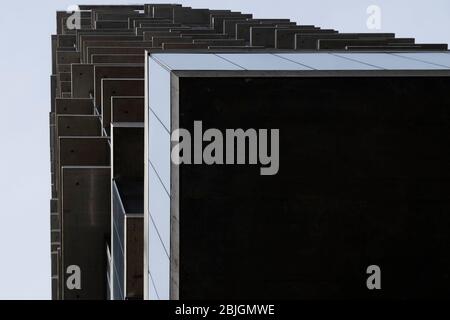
(25, 67)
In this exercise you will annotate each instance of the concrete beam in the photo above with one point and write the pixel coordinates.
(117, 87)
(191, 16)
(114, 50)
(116, 72)
(342, 44)
(127, 109)
(118, 59)
(86, 225)
(67, 57)
(243, 28)
(309, 40)
(105, 24)
(82, 80)
(265, 36)
(74, 106)
(138, 43)
(78, 125)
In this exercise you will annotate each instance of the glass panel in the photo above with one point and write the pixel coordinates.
(159, 91)
(389, 61)
(117, 238)
(325, 61)
(191, 61)
(442, 59)
(159, 207)
(159, 266)
(159, 149)
(153, 293)
(254, 61)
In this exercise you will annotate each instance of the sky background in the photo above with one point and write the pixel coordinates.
(25, 67)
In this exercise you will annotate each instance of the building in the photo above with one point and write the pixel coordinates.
(361, 175)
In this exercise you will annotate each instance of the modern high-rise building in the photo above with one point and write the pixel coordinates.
(209, 154)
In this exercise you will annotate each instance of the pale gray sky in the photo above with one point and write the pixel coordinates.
(25, 66)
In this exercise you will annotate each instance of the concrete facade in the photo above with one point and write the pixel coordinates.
(139, 227)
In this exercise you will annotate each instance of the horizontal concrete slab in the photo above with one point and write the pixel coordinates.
(117, 72)
(127, 109)
(117, 87)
